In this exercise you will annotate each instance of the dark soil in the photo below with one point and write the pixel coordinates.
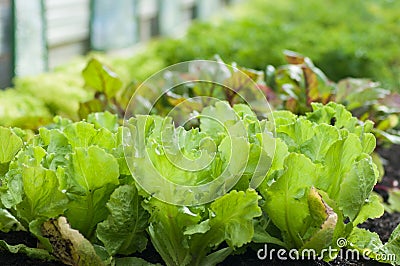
(382, 226)
(391, 162)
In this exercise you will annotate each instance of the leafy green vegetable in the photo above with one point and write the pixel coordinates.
(59, 92)
(42, 199)
(128, 261)
(10, 145)
(8, 222)
(123, 231)
(369, 244)
(184, 236)
(326, 176)
(70, 185)
(100, 78)
(215, 158)
(89, 186)
(68, 169)
(296, 86)
(22, 110)
(105, 84)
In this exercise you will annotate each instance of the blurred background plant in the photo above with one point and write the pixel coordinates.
(344, 39)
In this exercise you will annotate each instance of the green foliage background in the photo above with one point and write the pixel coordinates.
(344, 38)
(349, 38)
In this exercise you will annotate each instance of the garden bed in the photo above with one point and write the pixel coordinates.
(383, 226)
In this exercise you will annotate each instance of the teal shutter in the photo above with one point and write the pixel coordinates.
(67, 29)
(6, 65)
(148, 19)
(176, 16)
(113, 24)
(206, 8)
(30, 52)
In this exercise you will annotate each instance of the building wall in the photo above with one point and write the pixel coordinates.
(67, 27)
(6, 65)
(43, 34)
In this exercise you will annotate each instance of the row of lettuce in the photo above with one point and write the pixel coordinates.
(69, 184)
(70, 187)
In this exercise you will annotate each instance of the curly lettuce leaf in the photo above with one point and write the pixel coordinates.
(8, 222)
(369, 244)
(104, 120)
(100, 78)
(129, 261)
(330, 150)
(186, 236)
(10, 144)
(89, 179)
(295, 134)
(167, 224)
(57, 148)
(230, 219)
(124, 230)
(317, 147)
(286, 200)
(42, 197)
(186, 167)
(83, 134)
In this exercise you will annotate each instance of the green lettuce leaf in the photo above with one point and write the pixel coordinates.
(42, 197)
(57, 148)
(286, 200)
(167, 224)
(104, 120)
(123, 231)
(295, 134)
(89, 180)
(83, 134)
(356, 188)
(186, 236)
(129, 261)
(230, 220)
(373, 208)
(8, 222)
(167, 161)
(338, 161)
(369, 245)
(317, 147)
(10, 144)
(100, 78)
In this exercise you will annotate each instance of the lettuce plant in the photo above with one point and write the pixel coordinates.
(319, 186)
(298, 84)
(70, 187)
(301, 182)
(191, 230)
